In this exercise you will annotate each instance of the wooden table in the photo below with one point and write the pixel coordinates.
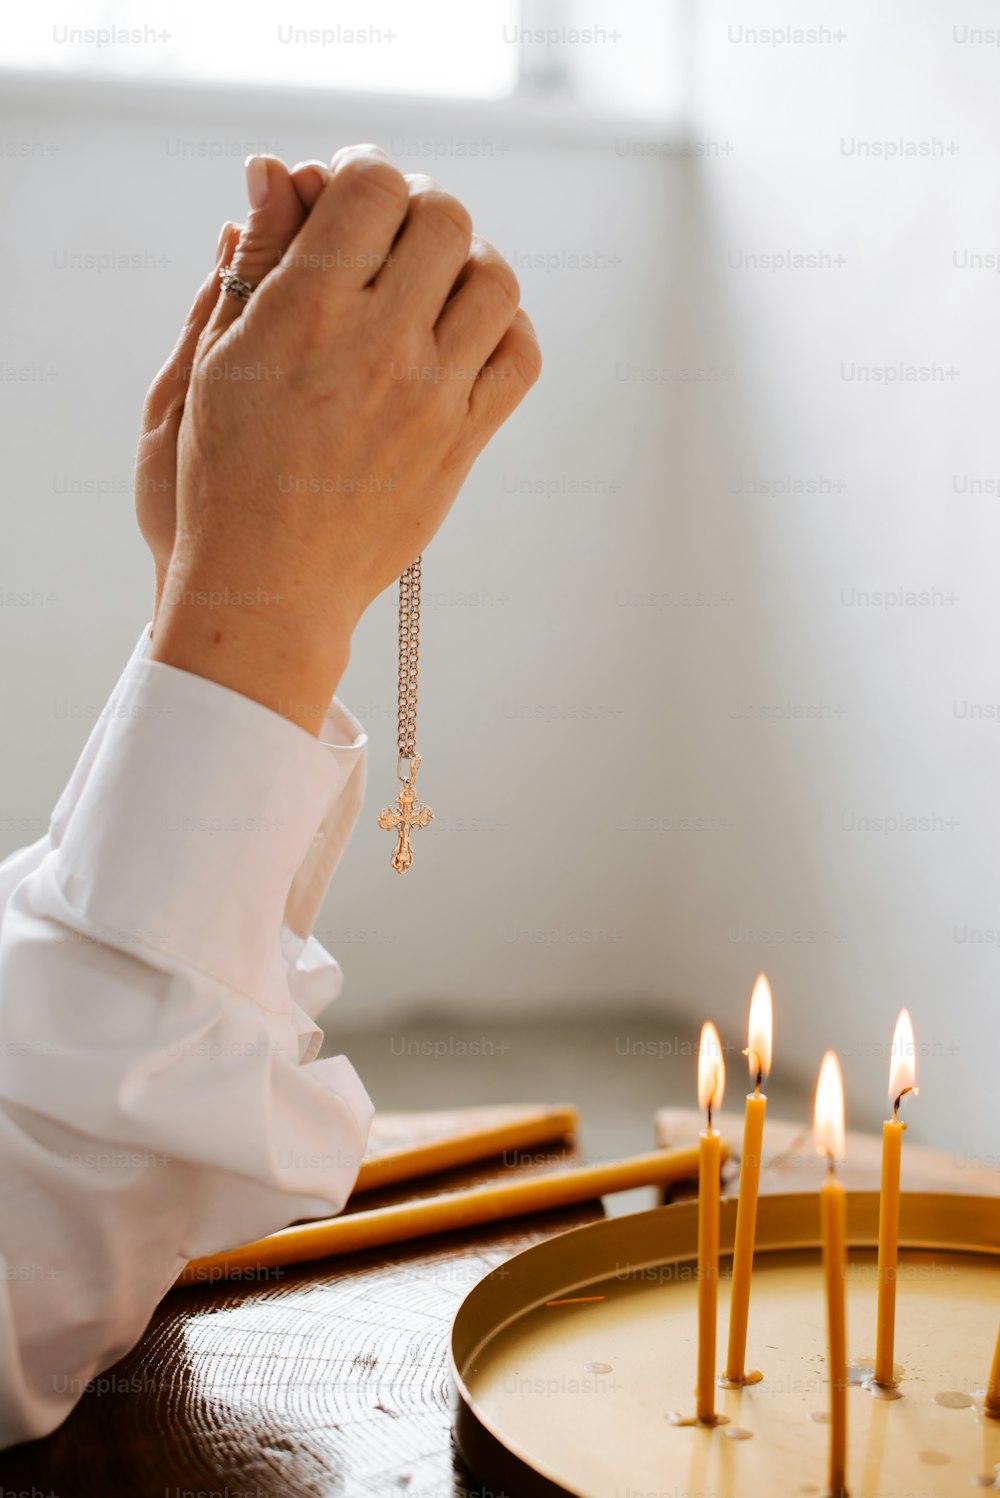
(332, 1379)
(328, 1379)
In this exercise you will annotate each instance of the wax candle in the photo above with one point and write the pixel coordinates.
(902, 1079)
(829, 1128)
(711, 1086)
(758, 1054)
(451, 1211)
(505, 1130)
(993, 1387)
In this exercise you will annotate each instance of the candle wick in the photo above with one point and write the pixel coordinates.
(895, 1106)
(831, 1163)
(710, 1113)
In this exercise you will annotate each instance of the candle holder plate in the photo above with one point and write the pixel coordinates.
(569, 1361)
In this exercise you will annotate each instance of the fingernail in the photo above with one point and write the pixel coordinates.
(223, 237)
(257, 184)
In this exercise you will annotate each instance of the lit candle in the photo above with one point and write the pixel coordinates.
(758, 1053)
(711, 1086)
(829, 1127)
(902, 1079)
(992, 1405)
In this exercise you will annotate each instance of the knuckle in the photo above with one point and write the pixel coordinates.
(255, 259)
(364, 148)
(444, 213)
(371, 179)
(496, 277)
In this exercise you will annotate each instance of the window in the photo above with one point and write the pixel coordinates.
(609, 55)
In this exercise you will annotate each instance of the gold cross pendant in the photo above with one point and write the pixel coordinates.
(404, 817)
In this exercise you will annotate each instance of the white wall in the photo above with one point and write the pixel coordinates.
(614, 824)
(887, 918)
(546, 638)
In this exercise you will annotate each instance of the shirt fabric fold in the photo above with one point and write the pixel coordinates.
(159, 1093)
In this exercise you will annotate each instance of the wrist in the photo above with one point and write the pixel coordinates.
(252, 643)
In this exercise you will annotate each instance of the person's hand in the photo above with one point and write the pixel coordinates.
(253, 250)
(156, 459)
(328, 429)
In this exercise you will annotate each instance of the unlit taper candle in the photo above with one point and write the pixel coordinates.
(513, 1128)
(449, 1212)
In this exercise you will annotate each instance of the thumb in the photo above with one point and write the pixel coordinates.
(275, 217)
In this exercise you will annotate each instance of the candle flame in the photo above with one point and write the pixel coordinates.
(711, 1068)
(828, 1115)
(760, 1033)
(903, 1060)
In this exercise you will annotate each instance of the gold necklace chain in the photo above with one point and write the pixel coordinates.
(409, 662)
(408, 813)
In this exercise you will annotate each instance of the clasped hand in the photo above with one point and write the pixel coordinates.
(299, 450)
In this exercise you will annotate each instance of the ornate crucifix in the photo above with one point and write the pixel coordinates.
(404, 817)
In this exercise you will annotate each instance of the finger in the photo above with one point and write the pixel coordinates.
(275, 217)
(505, 378)
(172, 381)
(431, 250)
(480, 308)
(309, 179)
(355, 219)
(210, 291)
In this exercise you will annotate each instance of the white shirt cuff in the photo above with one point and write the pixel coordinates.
(201, 805)
(345, 741)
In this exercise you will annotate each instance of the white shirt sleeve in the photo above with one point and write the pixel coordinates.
(15, 867)
(315, 978)
(159, 1099)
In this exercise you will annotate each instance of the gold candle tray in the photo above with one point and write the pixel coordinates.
(569, 1360)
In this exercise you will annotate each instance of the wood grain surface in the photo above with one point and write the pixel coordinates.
(323, 1380)
(331, 1381)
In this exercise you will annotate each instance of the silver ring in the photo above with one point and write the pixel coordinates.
(234, 286)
